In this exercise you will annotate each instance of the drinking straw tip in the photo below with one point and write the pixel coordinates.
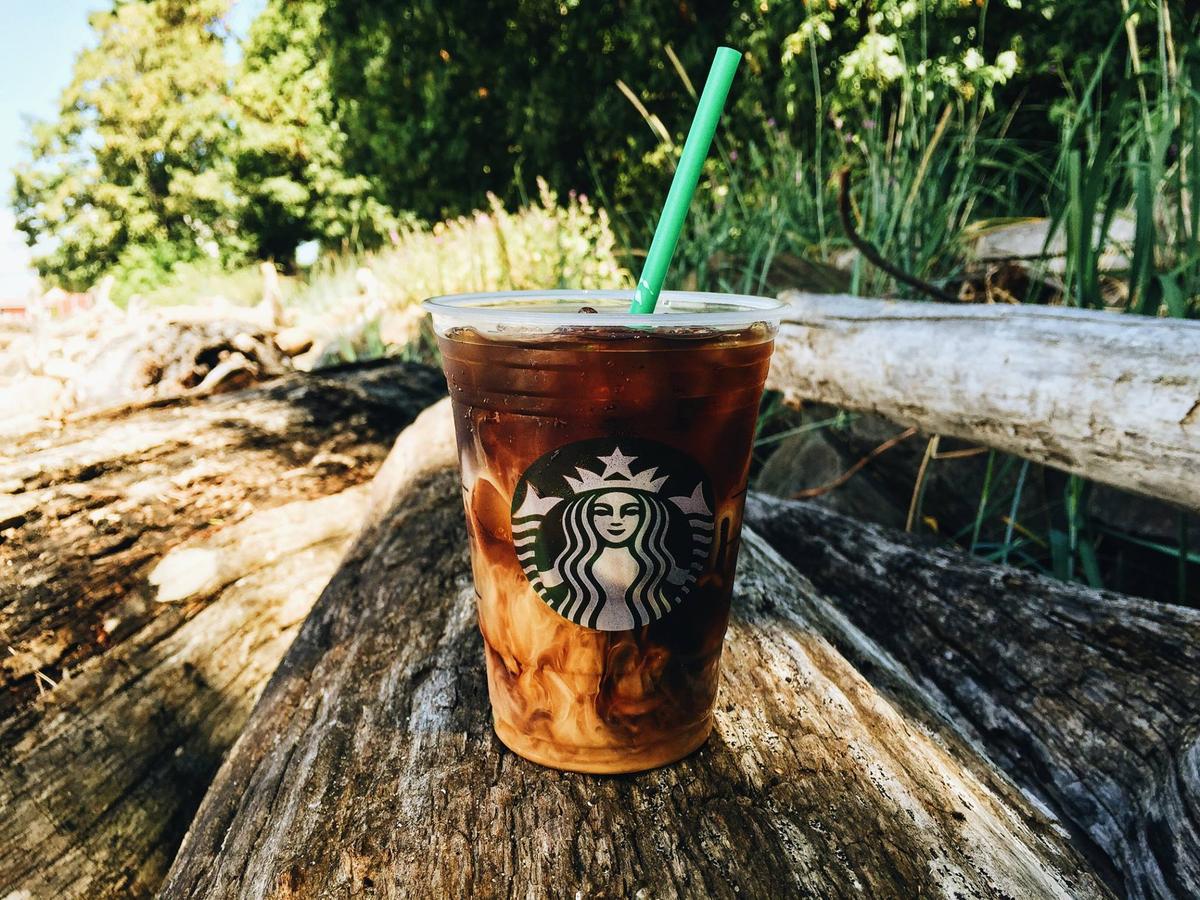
(687, 175)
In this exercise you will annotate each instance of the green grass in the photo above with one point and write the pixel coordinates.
(345, 300)
(546, 244)
(189, 283)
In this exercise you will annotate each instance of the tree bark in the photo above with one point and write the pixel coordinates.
(155, 563)
(1089, 699)
(369, 766)
(1115, 398)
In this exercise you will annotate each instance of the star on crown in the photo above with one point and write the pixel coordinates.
(616, 475)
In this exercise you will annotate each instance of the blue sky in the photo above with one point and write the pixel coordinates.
(39, 40)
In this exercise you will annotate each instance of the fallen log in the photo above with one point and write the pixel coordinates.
(1090, 700)
(1115, 398)
(369, 765)
(155, 563)
(102, 359)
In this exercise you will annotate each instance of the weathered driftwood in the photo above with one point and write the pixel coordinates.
(154, 565)
(1089, 699)
(102, 358)
(151, 358)
(1115, 398)
(369, 766)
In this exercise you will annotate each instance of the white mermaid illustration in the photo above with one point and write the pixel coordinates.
(611, 567)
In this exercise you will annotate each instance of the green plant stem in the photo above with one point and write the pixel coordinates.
(1182, 581)
(1012, 512)
(983, 498)
(818, 122)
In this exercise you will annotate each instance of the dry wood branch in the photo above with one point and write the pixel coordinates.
(887, 445)
(873, 256)
(1113, 397)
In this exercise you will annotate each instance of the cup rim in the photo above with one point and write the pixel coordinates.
(675, 309)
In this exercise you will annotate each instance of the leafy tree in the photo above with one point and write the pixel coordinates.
(139, 153)
(289, 150)
(444, 100)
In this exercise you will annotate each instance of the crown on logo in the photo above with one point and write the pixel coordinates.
(616, 475)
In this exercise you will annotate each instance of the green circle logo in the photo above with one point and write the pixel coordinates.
(612, 533)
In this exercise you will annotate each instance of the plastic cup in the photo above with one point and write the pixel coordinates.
(604, 463)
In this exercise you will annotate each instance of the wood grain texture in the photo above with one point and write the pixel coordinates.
(1089, 699)
(369, 766)
(117, 707)
(1114, 398)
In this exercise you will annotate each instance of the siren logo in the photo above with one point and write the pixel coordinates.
(612, 533)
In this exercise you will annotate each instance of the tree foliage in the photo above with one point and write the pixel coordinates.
(291, 175)
(139, 155)
(445, 101)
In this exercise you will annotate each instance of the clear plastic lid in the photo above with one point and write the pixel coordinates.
(545, 311)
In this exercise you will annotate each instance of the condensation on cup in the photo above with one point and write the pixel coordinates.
(604, 462)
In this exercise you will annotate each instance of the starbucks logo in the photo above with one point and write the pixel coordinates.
(612, 533)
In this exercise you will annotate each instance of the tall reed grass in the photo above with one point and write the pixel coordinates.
(545, 244)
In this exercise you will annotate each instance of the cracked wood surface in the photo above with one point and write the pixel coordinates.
(369, 766)
(116, 707)
(1089, 699)
(1115, 398)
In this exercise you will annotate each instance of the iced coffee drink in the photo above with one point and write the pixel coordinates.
(604, 461)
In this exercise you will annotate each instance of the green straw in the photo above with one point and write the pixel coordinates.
(687, 174)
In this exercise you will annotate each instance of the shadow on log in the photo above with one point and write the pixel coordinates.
(369, 764)
(1089, 699)
(155, 563)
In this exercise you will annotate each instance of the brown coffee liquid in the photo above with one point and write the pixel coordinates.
(562, 694)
